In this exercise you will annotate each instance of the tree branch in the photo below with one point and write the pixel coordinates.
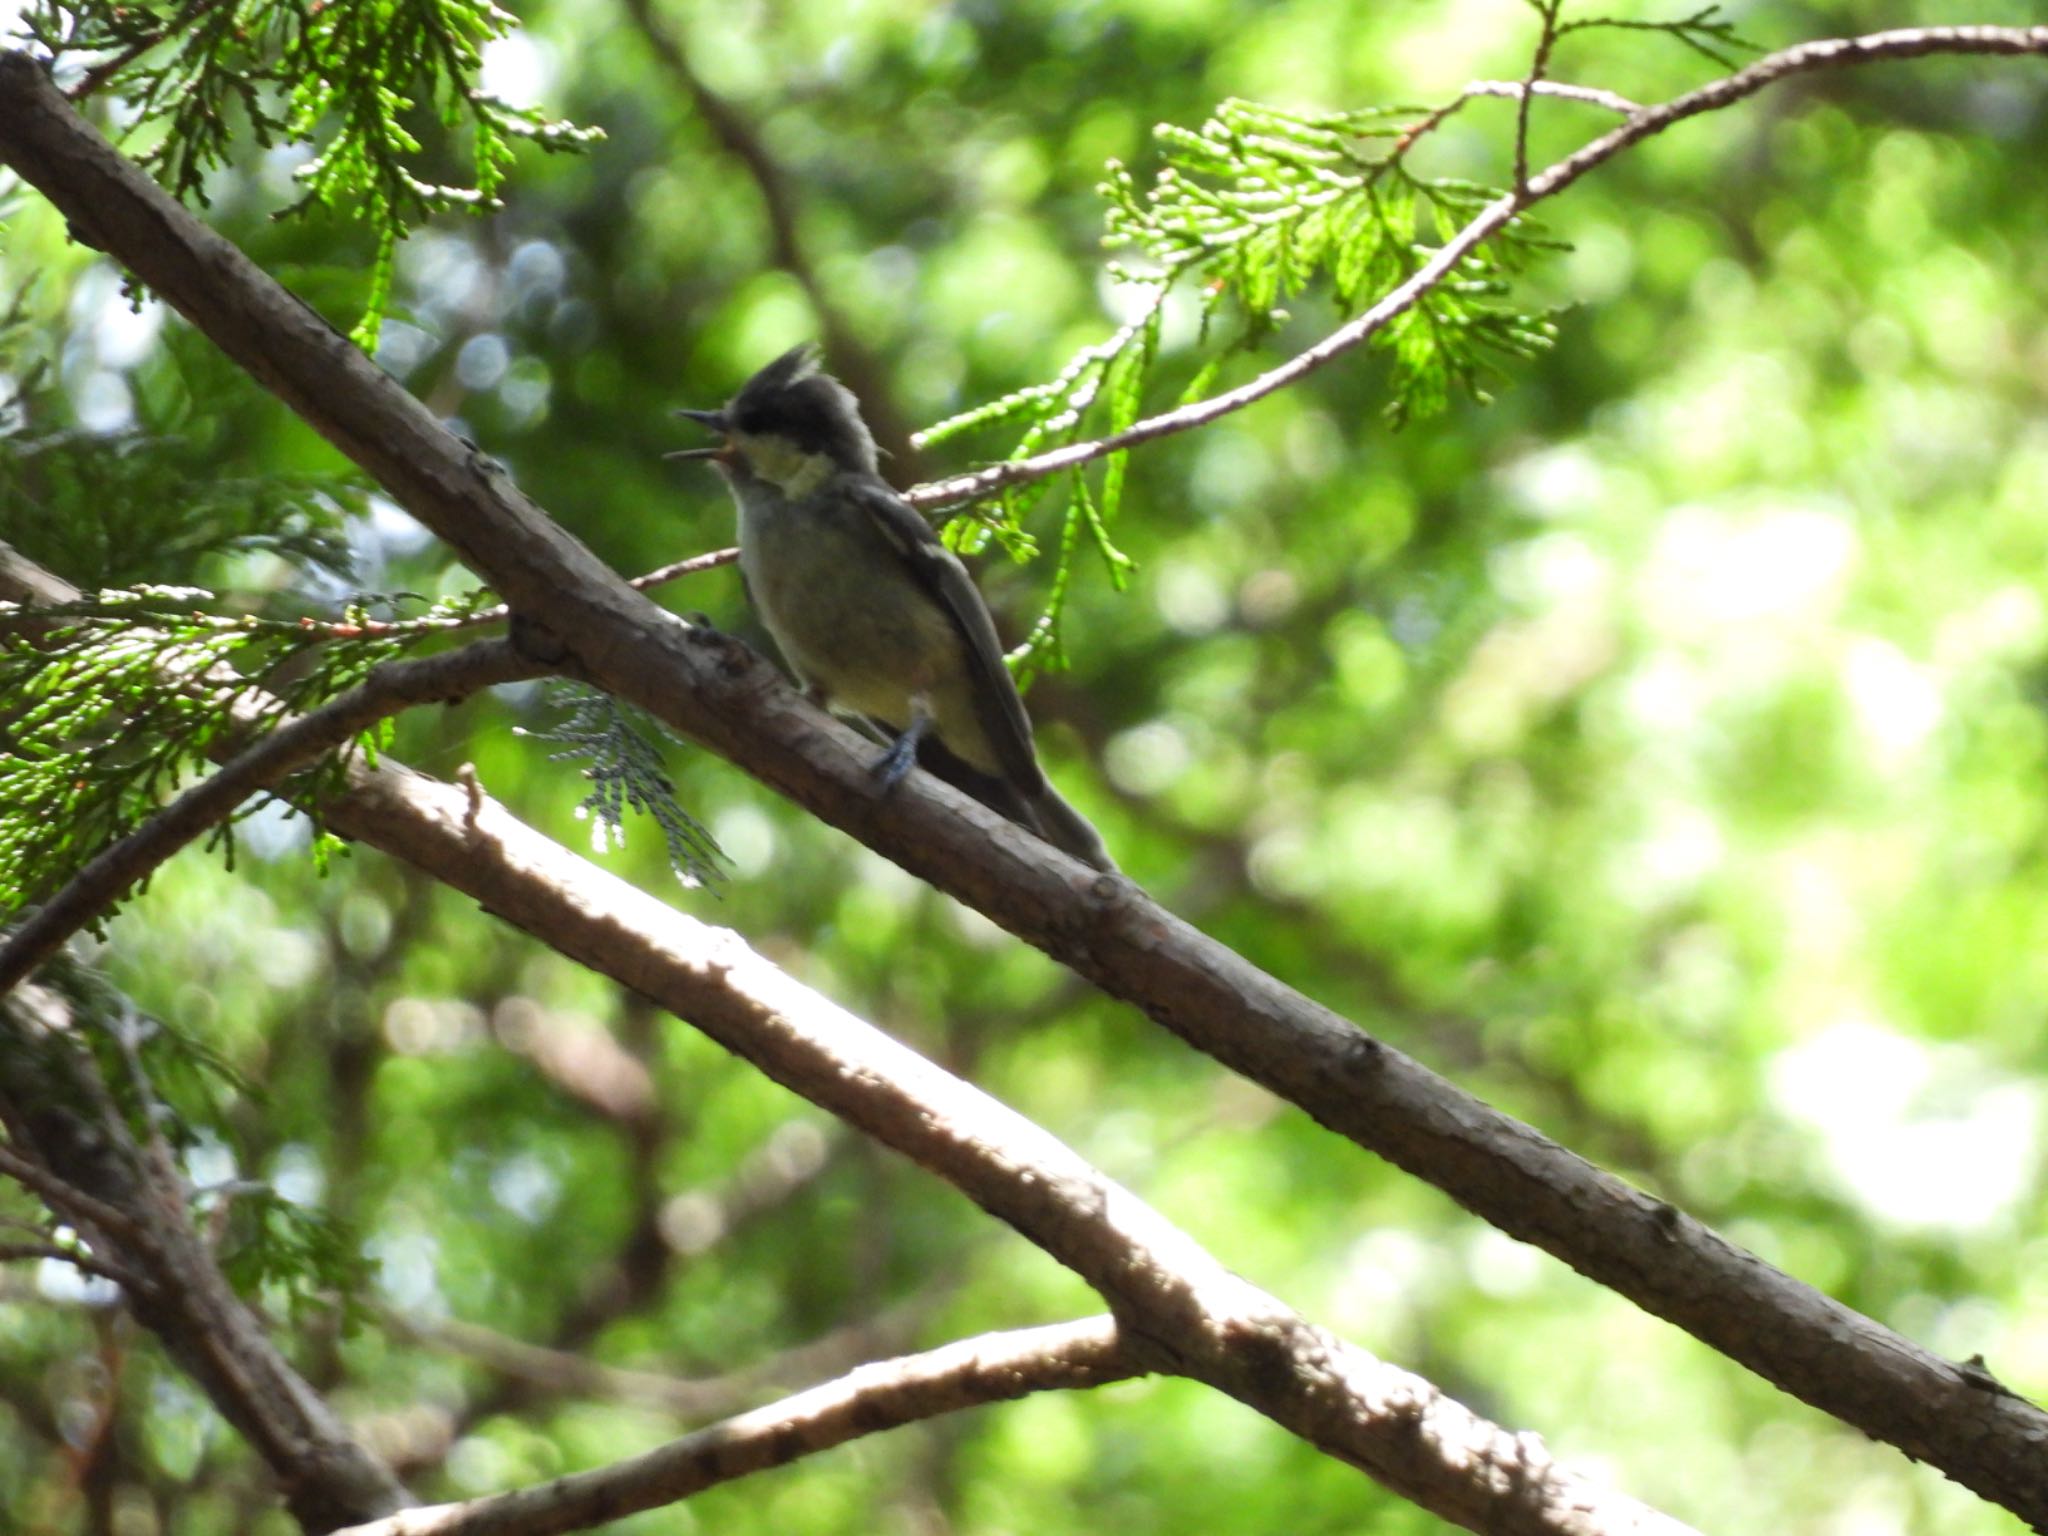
(1525, 98)
(718, 695)
(64, 1198)
(1833, 53)
(130, 860)
(1588, 95)
(1182, 1311)
(84, 1263)
(996, 1367)
(560, 1371)
(169, 1276)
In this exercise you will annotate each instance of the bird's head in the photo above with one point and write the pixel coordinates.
(790, 425)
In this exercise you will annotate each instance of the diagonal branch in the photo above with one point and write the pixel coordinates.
(1181, 1310)
(996, 1367)
(90, 1170)
(1587, 95)
(130, 860)
(84, 1263)
(1525, 98)
(560, 1371)
(1107, 930)
(64, 1197)
(1804, 58)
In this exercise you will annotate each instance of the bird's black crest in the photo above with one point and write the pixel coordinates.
(791, 398)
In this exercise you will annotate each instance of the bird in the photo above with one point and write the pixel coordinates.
(873, 614)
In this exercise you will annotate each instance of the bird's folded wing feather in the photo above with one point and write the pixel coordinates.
(939, 570)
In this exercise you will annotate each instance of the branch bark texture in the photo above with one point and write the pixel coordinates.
(1179, 1310)
(130, 1206)
(1106, 929)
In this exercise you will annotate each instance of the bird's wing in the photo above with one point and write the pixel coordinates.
(940, 572)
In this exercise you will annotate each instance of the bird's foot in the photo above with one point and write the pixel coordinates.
(892, 765)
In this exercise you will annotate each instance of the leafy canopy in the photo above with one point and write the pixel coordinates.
(358, 82)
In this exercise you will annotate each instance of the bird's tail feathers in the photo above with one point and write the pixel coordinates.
(1043, 813)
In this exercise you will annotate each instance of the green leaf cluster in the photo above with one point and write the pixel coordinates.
(1249, 210)
(103, 503)
(623, 747)
(119, 698)
(276, 1247)
(357, 79)
(171, 492)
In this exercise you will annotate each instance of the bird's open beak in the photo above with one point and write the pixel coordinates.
(715, 420)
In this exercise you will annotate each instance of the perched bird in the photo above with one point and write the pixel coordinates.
(875, 616)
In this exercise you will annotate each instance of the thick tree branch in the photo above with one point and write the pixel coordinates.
(1107, 930)
(993, 1368)
(133, 1213)
(1832, 53)
(1180, 1308)
(1182, 1312)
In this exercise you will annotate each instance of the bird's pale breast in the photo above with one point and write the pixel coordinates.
(851, 620)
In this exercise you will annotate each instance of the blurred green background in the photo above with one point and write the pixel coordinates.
(1659, 752)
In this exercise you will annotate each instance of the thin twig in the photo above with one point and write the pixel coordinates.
(1513, 90)
(1589, 95)
(84, 1263)
(1539, 65)
(484, 617)
(130, 860)
(996, 1367)
(65, 1198)
(564, 1371)
(155, 1147)
(1833, 53)
(710, 560)
(104, 71)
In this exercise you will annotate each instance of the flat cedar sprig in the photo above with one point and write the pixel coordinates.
(358, 82)
(100, 733)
